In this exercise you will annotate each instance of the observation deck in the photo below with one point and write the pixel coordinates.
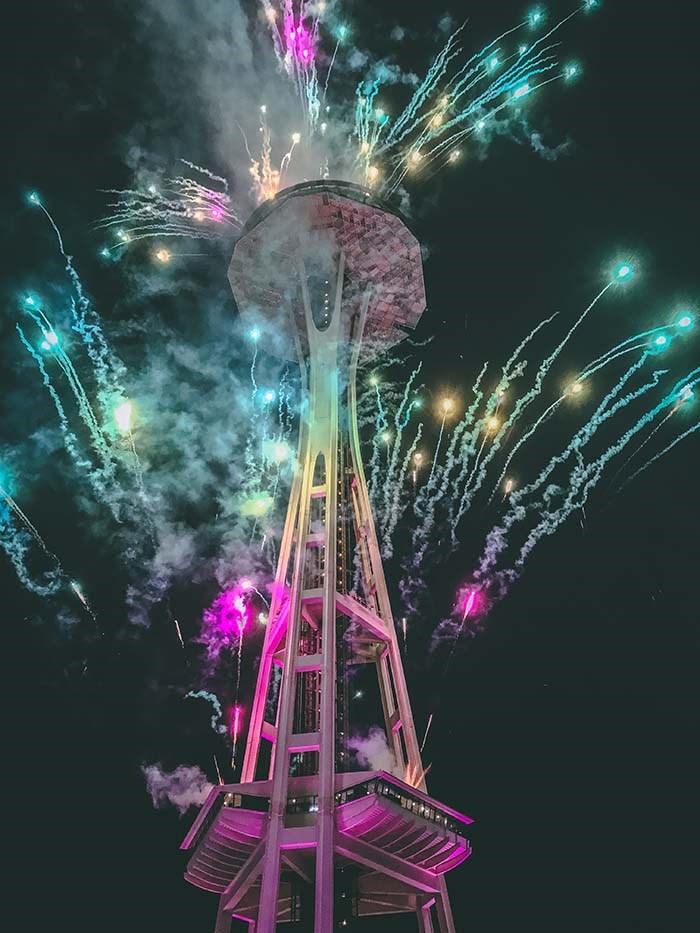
(379, 820)
(296, 241)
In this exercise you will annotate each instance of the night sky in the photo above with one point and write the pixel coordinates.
(567, 729)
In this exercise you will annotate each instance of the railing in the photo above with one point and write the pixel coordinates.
(309, 804)
(399, 796)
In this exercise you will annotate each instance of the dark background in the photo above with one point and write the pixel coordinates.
(568, 729)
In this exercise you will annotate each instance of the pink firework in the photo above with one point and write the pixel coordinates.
(469, 603)
(229, 614)
(216, 213)
(235, 723)
(299, 43)
(241, 614)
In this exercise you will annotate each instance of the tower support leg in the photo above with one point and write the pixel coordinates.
(446, 923)
(223, 920)
(425, 921)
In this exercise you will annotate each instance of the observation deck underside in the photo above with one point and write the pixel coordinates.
(397, 840)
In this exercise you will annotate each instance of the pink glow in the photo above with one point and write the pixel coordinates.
(299, 43)
(242, 614)
(216, 214)
(229, 615)
(469, 603)
(246, 584)
(235, 722)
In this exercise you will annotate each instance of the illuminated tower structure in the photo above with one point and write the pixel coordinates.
(303, 838)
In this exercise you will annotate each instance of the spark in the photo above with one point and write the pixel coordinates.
(427, 730)
(30, 527)
(520, 407)
(508, 488)
(417, 463)
(469, 604)
(277, 451)
(685, 321)
(163, 255)
(218, 772)
(235, 727)
(83, 599)
(122, 416)
(446, 406)
(257, 506)
(179, 633)
(661, 453)
(536, 16)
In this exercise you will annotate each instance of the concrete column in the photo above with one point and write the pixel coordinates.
(223, 920)
(446, 922)
(267, 916)
(425, 921)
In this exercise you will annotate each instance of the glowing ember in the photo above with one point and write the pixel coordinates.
(469, 604)
(122, 416)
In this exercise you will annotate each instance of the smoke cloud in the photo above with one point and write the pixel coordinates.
(372, 751)
(187, 786)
